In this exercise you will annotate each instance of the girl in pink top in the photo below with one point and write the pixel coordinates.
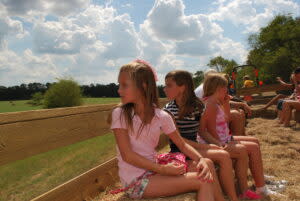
(215, 122)
(137, 125)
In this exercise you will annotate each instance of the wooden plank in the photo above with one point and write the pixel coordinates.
(13, 117)
(23, 139)
(264, 88)
(23, 134)
(84, 186)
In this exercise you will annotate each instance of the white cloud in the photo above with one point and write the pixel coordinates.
(253, 13)
(153, 48)
(61, 37)
(168, 21)
(25, 68)
(10, 27)
(57, 7)
(209, 41)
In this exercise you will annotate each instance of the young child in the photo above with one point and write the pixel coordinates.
(137, 124)
(186, 109)
(215, 122)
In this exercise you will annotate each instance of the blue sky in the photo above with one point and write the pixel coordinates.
(88, 40)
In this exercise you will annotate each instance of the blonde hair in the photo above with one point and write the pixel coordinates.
(212, 82)
(189, 99)
(144, 80)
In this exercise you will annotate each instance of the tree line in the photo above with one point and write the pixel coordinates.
(26, 91)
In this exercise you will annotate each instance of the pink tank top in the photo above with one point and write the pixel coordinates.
(222, 126)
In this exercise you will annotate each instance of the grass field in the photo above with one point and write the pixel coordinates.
(22, 105)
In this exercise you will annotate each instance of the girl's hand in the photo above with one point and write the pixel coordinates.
(204, 171)
(172, 169)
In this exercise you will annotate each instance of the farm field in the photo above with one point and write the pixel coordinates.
(22, 105)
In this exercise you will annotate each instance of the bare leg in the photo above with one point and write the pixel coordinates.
(237, 122)
(274, 100)
(287, 110)
(222, 158)
(239, 153)
(246, 138)
(218, 195)
(255, 162)
(160, 185)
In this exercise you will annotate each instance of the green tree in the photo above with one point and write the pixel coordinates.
(275, 49)
(64, 93)
(198, 78)
(36, 99)
(222, 65)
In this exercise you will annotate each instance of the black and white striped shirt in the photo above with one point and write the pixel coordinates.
(188, 126)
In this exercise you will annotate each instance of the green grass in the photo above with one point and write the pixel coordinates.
(28, 178)
(22, 105)
(16, 106)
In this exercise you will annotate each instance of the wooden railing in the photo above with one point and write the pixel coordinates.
(25, 134)
(264, 88)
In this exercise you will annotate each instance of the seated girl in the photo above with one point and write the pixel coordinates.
(215, 122)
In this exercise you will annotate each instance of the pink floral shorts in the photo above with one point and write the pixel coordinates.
(138, 186)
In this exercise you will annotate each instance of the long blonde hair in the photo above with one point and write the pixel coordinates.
(212, 82)
(144, 80)
(189, 99)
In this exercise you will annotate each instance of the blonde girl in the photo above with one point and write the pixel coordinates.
(215, 122)
(137, 124)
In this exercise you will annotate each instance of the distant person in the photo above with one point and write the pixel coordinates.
(290, 87)
(248, 84)
(293, 102)
(199, 90)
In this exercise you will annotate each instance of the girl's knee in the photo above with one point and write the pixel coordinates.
(243, 153)
(223, 157)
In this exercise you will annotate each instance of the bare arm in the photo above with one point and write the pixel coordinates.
(238, 105)
(208, 125)
(282, 83)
